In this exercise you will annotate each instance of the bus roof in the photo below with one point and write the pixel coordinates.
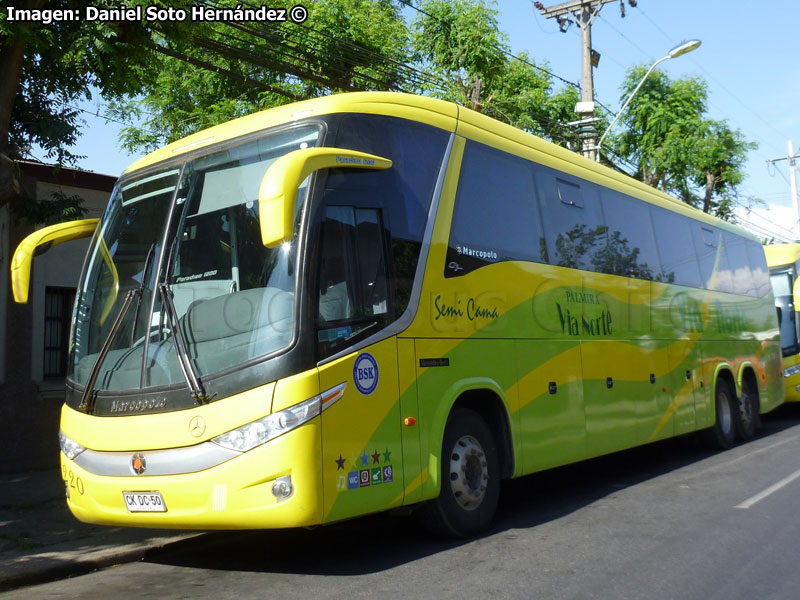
(442, 114)
(782, 254)
(417, 108)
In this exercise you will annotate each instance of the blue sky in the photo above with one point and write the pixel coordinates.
(747, 58)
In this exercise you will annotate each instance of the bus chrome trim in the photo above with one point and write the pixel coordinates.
(174, 461)
(410, 312)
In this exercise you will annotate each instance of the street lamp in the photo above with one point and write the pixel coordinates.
(677, 51)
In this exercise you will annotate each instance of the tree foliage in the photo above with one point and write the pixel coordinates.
(223, 70)
(173, 79)
(675, 148)
(47, 70)
(452, 50)
(460, 41)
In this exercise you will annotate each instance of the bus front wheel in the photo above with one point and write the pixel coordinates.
(722, 435)
(470, 476)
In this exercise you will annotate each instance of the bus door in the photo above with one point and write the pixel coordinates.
(361, 426)
(361, 445)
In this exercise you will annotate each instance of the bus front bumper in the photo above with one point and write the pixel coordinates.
(236, 494)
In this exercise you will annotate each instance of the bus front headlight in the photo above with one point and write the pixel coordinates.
(259, 432)
(69, 447)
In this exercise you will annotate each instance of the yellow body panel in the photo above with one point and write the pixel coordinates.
(793, 381)
(782, 254)
(361, 440)
(171, 429)
(236, 494)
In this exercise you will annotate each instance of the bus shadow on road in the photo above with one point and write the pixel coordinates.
(380, 542)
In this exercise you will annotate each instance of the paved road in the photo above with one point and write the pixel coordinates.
(670, 521)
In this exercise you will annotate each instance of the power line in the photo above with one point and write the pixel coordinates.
(499, 47)
(752, 212)
(711, 76)
(624, 37)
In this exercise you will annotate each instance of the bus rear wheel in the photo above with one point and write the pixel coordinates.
(470, 476)
(722, 435)
(748, 416)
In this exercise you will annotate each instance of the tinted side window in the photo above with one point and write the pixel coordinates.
(495, 217)
(573, 221)
(738, 264)
(631, 248)
(675, 247)
(354, 293)
(712, 258)
(404, 192)
(758, 267)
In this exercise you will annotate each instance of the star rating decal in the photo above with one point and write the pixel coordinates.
(363, 474)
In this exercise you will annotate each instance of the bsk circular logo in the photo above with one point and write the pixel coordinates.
(365, 373)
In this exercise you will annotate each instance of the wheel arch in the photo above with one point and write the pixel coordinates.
(488, 400)
(724, 372)
(493, 410)
(748, 381)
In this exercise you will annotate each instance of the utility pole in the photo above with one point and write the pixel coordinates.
(793, 183)
(793, 180)
(584, 12)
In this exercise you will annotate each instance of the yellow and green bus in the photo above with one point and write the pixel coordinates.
(784, 262)
(371, 301)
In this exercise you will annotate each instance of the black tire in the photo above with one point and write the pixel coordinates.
(723, 434)
(747, 417)
(470, 476)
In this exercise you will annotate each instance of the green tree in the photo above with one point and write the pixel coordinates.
(524, 98)
(717, 161)
(45, 70)
(460, 41)
(658, 123)
(223, 71)
(675, 148)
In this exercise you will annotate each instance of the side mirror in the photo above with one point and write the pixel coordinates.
(39, 242)
(796, 295)
(278, 191)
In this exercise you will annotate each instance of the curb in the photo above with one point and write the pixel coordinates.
(49, 566)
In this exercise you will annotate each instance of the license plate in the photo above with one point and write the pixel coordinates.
(144, 502)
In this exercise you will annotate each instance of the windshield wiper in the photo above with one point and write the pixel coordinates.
(142, 283)
(184, 360)
(89, 396)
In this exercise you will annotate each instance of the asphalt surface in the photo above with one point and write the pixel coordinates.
(670, 520)
(40, 540)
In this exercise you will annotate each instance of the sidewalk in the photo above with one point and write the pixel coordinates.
(40, 540)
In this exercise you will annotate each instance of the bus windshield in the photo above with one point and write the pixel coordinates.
(195, 228)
